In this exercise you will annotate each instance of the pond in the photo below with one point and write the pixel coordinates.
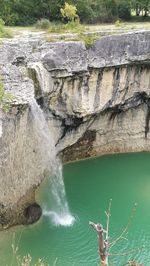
(90, 184)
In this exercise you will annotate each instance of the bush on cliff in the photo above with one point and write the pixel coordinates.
(6, 98)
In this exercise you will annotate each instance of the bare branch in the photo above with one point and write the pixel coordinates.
(126, 253)
(103, 245)
(132, 263)
(125, 238)
(108, 219)
(93, 225)
(126, 228)
(55, 262)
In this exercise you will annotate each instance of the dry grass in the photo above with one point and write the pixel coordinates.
(124, 26)
(59, 32)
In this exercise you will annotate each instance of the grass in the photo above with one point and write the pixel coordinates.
(88, 40)
(124, 26)
(43, 24)
(5, 33)
(73, 27)
(57, 27)
(6, 98)
(58, 31)
(90, 33)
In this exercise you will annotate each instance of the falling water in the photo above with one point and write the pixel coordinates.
(59, 212)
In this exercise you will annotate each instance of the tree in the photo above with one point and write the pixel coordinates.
(104, 243)
(69, 12)
(106, 10)
(26, 12)
(141, 7)
(87, 10)
(124, 9)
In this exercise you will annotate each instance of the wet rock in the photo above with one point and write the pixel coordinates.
(33, 213)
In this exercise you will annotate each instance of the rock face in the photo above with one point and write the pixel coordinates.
(96, 101)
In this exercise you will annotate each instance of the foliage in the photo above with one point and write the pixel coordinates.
(2, 23)
(74, 26)
(56, 27)
(141, 7)
(27, 12)
(86, 11)
(6, 98)
(43, 24)
(118, 23)
(69, 12)
(124, 9)
(4, 33)
(88, 40)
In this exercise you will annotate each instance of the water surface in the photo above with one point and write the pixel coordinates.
(89, 185)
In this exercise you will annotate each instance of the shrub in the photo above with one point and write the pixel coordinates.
(124, 11)
(11, 19)
(4, 33)
(86, 11)
(6, 98)
(118, 23)
(56, 27)
(74, 26)
(69, 12)
(88, 40)
(43, 24)
(2, 23)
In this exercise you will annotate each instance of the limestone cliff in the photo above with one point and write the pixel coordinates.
(96, 101)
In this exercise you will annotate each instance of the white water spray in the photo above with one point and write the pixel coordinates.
(59, 214)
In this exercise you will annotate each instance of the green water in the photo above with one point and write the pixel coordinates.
(89, 186)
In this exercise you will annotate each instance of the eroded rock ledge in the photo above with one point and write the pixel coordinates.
(96, 101)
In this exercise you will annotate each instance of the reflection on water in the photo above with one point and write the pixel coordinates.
(89, 186)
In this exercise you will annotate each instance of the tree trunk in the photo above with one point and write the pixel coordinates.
(103, 245)
(104, 263)
(146, 12)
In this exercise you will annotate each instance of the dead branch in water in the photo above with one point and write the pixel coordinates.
(103, 239)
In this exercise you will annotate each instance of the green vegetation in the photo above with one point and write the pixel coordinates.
(141, 7)
(43, 24)
(118, 23)
(4, 33)
(6, 98)
(69, 12)
(89, 40)
(71, 26)
(56, 27)
(74, 26)
(27, 12)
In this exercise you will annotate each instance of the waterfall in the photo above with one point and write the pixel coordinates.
(59, 212)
